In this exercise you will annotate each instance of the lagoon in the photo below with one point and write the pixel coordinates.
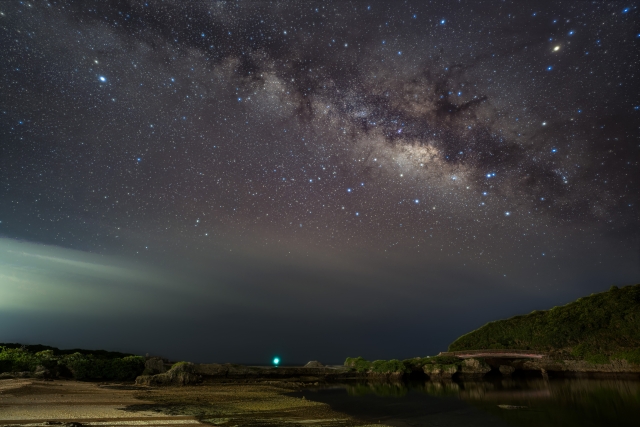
(499, 402)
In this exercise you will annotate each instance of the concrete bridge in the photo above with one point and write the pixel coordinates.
(497, 354)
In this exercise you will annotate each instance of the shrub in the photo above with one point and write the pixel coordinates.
(388, 366)
(631, 356)
(415, 364)
(360, 364)
(597, 359)
(85, 367)
(178, 364)
(17, 360)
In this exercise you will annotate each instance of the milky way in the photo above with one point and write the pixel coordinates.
(474, 132)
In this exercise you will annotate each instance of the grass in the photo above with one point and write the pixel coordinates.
(596, 328)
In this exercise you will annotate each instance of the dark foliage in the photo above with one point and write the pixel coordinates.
(83, 365)
(595, 328)
(36, 348)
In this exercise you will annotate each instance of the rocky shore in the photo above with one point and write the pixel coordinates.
(158, 373)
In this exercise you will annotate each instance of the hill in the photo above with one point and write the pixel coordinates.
(592, 328)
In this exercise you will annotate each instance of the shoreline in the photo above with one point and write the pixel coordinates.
(31, 402)
(265, 402)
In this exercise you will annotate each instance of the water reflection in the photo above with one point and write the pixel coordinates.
(520, 401)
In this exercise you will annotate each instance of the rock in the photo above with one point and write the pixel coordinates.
(314, 364)
(474, 369)
(154, 366)
(212, 369)
(41, 372)
(506, 370)
(180, 374)
(440, 372)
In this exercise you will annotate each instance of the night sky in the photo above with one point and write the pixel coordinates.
(232, 180)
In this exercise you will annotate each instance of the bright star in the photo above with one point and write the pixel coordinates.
(102, 78)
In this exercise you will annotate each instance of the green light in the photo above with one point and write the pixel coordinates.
(276, 360)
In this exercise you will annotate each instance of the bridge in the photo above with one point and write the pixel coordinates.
(498, 354)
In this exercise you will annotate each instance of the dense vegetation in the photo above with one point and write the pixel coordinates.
(594, 328)
(406, 366)
(79, 364)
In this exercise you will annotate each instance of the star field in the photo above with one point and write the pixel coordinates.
(475, 131)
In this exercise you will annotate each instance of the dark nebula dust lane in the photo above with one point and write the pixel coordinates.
(260, 148)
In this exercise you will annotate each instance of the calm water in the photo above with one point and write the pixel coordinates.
(504, 402)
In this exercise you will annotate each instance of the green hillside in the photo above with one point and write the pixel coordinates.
(594, 328)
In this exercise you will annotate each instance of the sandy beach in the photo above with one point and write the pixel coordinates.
(28, 402)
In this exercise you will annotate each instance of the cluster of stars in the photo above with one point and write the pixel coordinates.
(255, 121)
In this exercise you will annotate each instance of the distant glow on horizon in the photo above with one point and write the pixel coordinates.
(276, 361)
(34, 277)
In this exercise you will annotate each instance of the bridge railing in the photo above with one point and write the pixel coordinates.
(503, 352)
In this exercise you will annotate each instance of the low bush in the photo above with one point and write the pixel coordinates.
(631, 356)
(405, 366)
(415, 364)
(17, 360)
(388, 366)
(360, 364)
(90, 367)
